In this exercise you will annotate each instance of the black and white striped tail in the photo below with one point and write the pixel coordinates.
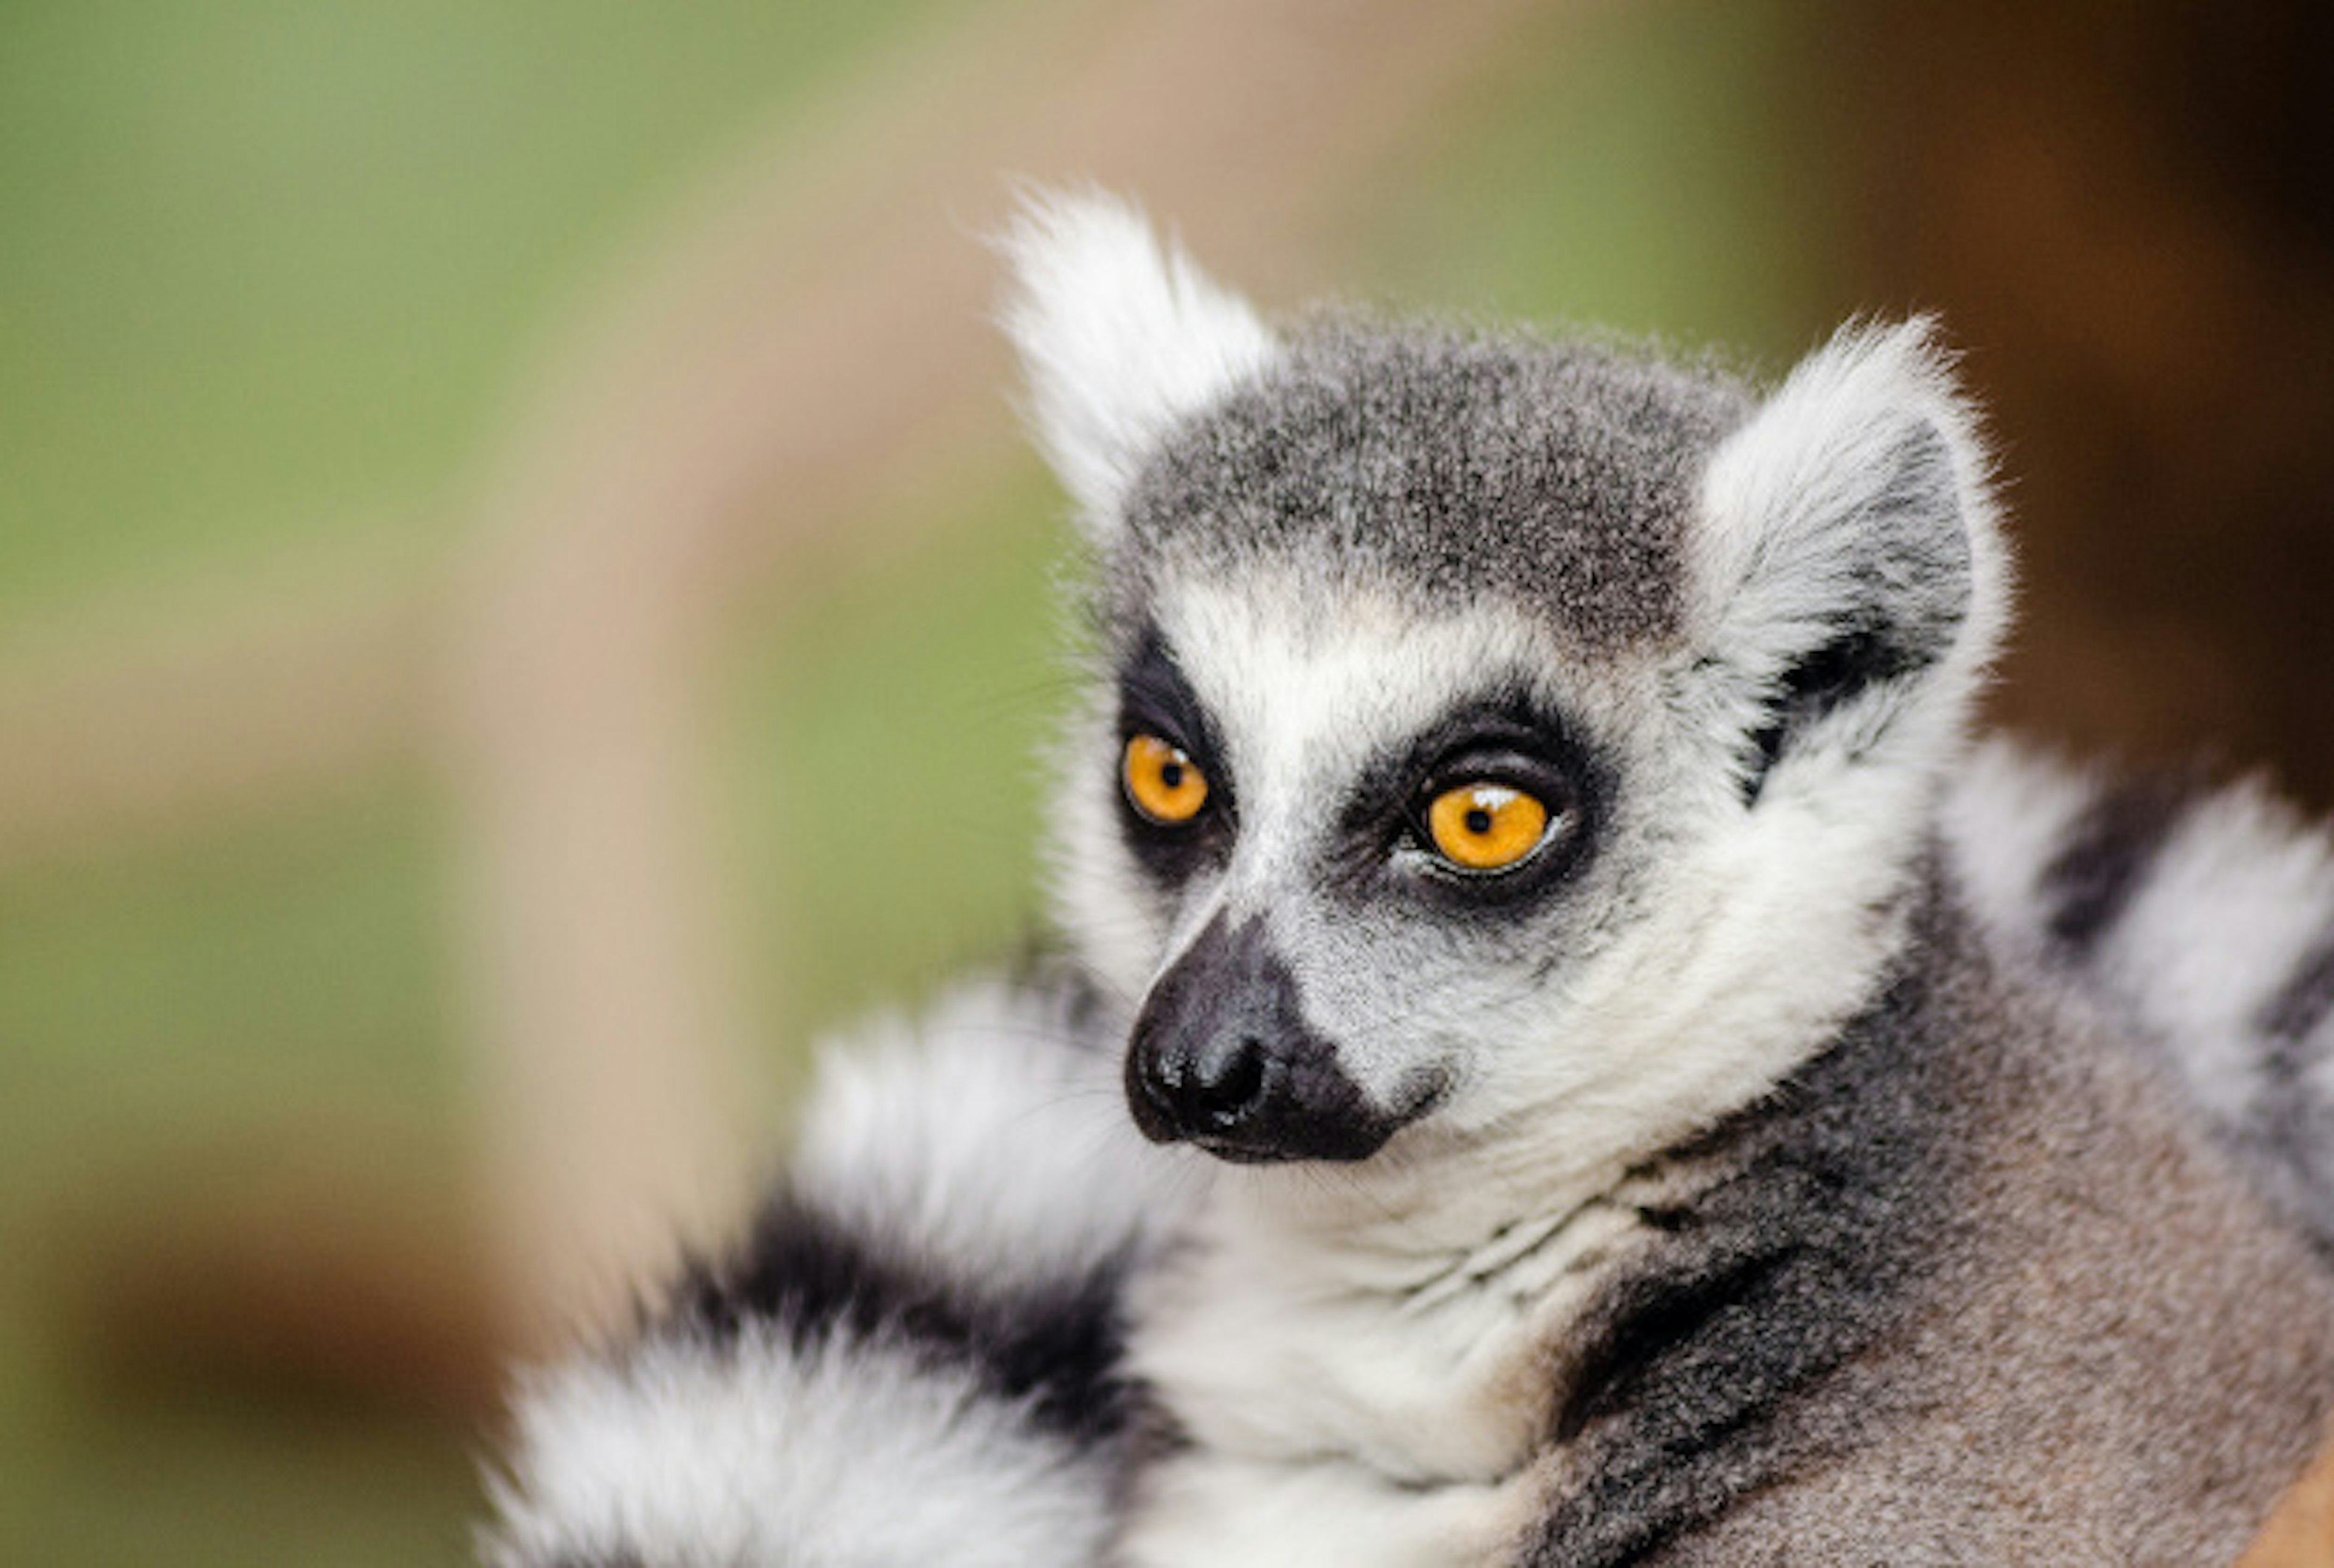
(2203, 917)
(914, 1358)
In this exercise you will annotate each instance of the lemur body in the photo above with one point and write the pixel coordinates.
(1664, 1109)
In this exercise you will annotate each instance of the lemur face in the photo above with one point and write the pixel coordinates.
(1367, 846)
(1486, 730)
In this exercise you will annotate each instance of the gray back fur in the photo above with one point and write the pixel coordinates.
(1971, 1289)
(2201, 918)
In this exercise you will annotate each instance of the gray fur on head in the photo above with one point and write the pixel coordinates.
(1821, 545)
(1456, 466)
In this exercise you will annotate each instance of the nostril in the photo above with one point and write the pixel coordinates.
(1230, 1083)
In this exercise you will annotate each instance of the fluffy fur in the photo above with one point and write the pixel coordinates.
(1825, 1144)
(1121, 337)
(914, 1357)
(2201, 918)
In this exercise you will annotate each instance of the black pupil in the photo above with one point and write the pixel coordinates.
(1171, 774)
(1479, 821)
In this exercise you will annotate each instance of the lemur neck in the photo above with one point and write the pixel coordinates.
(1406, 1220)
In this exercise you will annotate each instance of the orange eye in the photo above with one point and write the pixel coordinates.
(1165, 785)
(1486, 827)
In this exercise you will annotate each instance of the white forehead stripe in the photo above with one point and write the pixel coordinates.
(1305, 702)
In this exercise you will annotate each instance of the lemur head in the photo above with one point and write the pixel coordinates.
(1488, 731)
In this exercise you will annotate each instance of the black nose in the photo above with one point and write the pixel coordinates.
(1222, 1057)
(1216, 1089)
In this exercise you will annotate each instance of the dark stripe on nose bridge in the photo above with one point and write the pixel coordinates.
(2107, 856)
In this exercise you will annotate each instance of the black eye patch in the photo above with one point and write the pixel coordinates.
(1504, 737)
(1155, 699)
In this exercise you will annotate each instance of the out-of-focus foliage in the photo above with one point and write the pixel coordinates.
(1659, 173)
(268, 265)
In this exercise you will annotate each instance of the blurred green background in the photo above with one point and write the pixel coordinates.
(272, 279)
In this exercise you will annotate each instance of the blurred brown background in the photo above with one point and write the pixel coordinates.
(506, 512)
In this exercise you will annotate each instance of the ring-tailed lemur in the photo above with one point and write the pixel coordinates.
(1669, 1100)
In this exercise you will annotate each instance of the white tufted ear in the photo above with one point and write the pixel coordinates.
(1849, 561)
(1120, 336)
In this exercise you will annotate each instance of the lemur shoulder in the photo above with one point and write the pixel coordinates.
(1565, 1052)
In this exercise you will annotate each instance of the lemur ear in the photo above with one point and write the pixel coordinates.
(1850, 569)
(1120, 335)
